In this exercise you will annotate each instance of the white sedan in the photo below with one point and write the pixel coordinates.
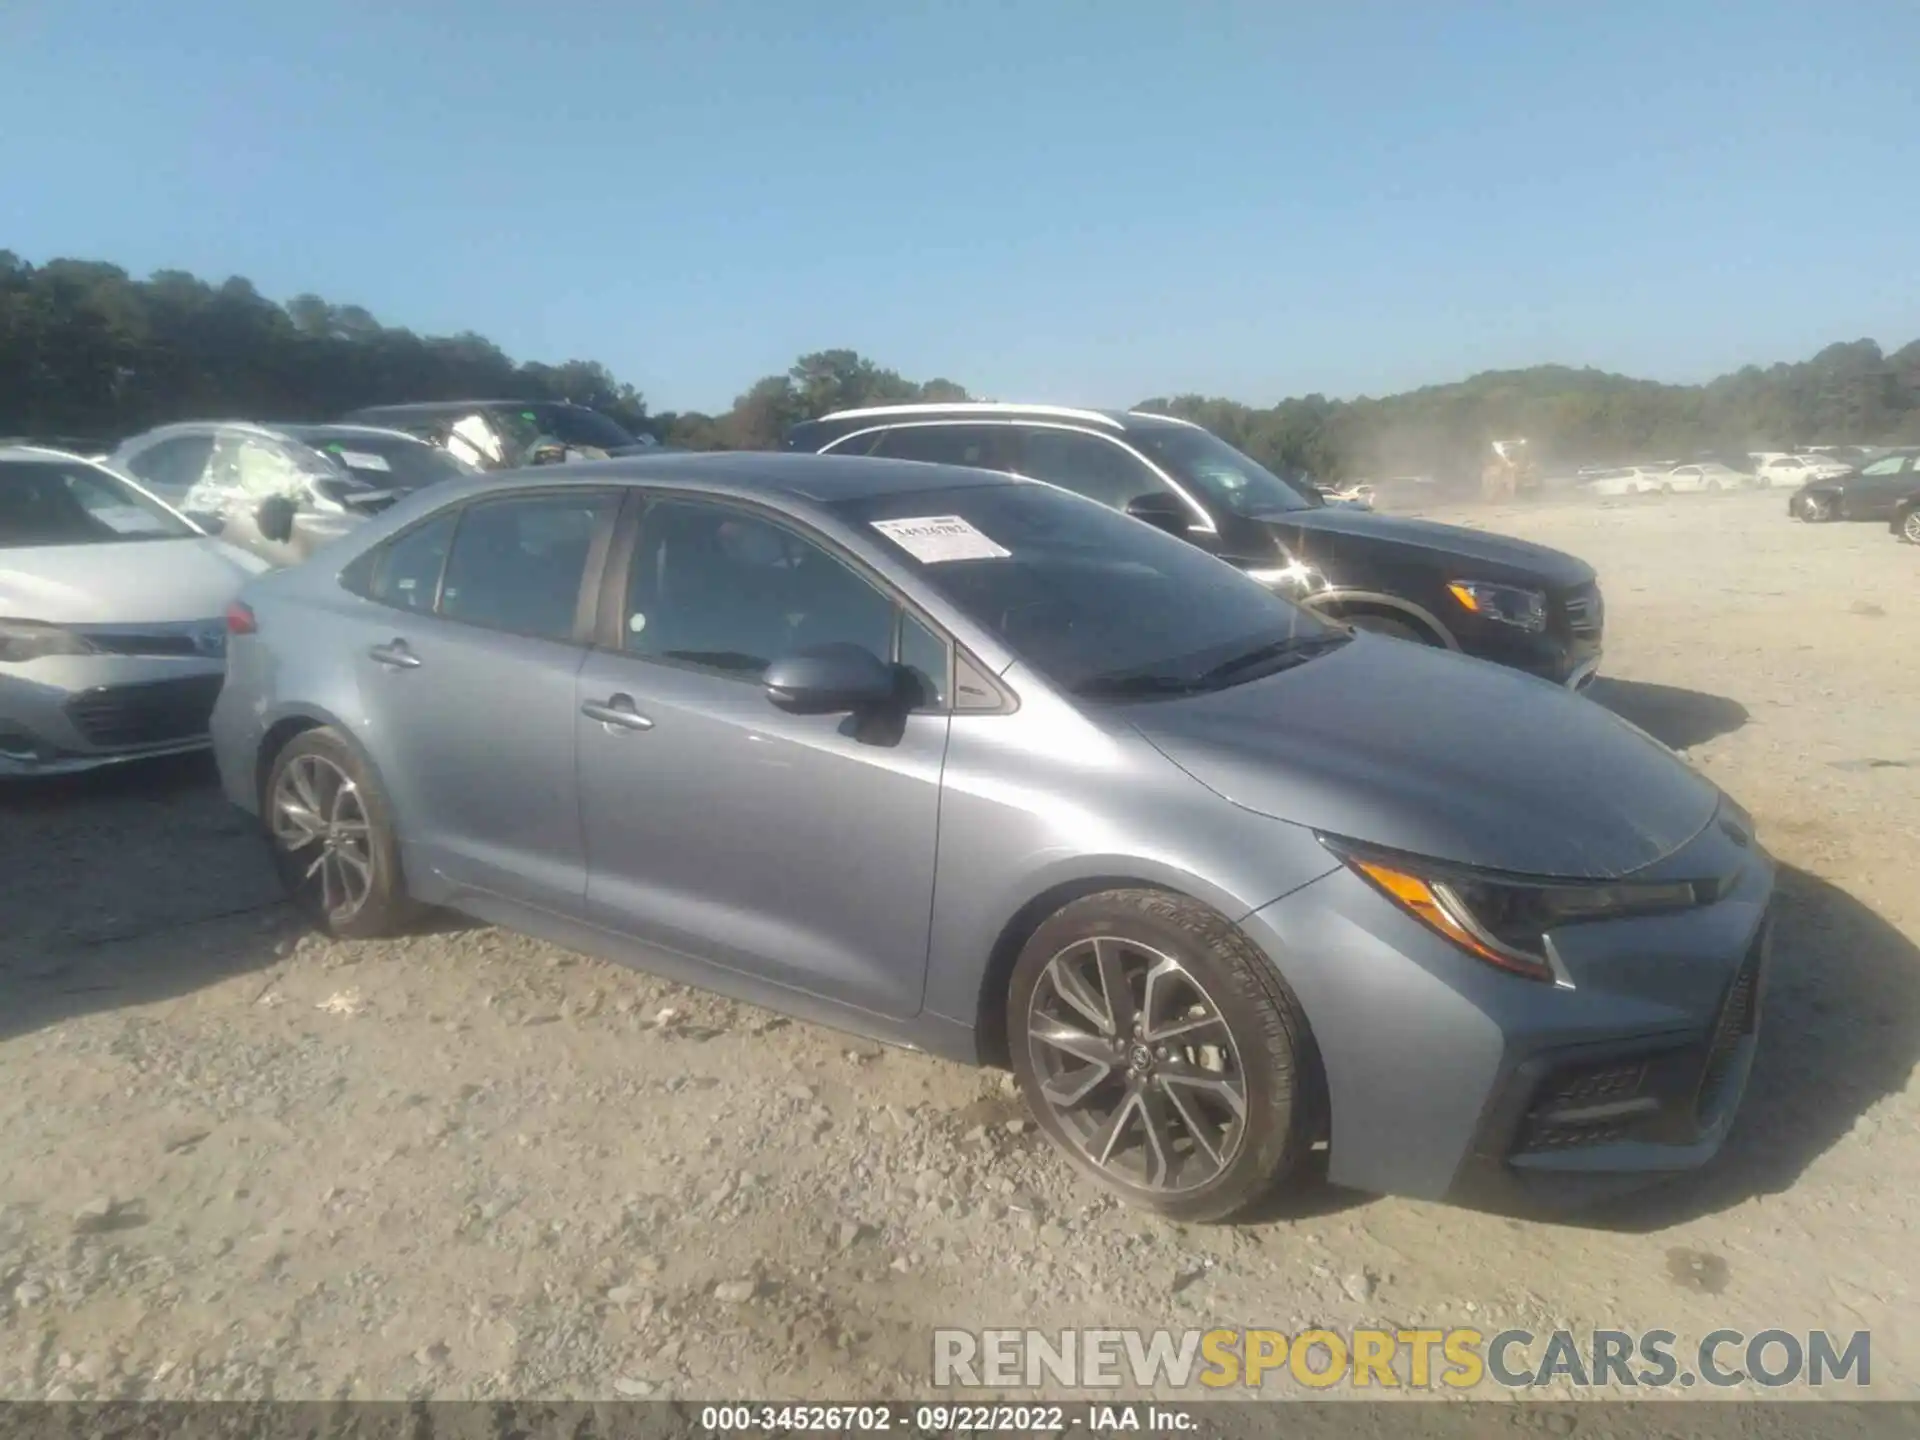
(1626, 480)
(1790, 472)
(113, 632)
(1707, 475)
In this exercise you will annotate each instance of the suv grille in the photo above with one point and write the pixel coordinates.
(1585, 612)
(150, 714)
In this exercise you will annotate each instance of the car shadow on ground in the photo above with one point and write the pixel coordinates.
(134, 884)
(125, 886)
(1677, 718)
(1840, 1031)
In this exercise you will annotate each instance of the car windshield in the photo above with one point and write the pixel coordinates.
(67, 502)
(1228, 479)
(388, 462)
(1095, 601)
(569, 424)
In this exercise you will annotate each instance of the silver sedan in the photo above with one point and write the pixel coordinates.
(971, 764)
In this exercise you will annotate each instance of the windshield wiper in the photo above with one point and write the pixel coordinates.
(1290, 649)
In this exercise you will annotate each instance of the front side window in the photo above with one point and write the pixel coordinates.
(569, 424)
(1232, 481)
(1889, 465)
(729, 591)
(517, 563)
(54, 502)
(1097, 602)
(1087, 465)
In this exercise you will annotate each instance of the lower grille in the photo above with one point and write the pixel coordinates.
(149, 714)
(1587, 1106)
(1737, 1021)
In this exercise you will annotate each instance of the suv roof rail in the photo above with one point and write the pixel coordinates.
(976, 407)
(1170, 419)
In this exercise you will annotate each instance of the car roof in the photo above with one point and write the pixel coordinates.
(42, 452)
(819, 479)
(350, 432)
(434, 407)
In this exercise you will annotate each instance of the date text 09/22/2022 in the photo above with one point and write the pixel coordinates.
(946, 1418)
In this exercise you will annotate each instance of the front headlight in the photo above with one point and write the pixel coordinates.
(34, 640)
(1506, 921)
(1508, 604)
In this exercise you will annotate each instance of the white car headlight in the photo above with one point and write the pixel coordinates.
(34, 639)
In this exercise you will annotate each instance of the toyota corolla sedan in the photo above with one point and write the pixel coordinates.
(970, 764)
(112, 617)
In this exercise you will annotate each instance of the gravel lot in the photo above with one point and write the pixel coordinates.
(239, 1160)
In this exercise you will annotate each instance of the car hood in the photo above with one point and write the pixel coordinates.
(114, 584)
(1441, 755)
(1334, 524)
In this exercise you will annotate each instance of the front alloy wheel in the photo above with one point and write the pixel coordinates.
(1910, 526)
(1137, 1065)
(1163, 1053)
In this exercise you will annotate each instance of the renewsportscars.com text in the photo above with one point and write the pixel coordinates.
(1450, 1359)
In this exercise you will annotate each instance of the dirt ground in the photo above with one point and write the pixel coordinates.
(239, 1160)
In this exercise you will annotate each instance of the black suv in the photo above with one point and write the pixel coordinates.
(507, 434)
(1504, 600)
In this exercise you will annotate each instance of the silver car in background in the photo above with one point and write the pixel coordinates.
(281, 491)
(968, 763)
(112, 617)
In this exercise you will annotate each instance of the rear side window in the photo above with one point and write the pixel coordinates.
(981, 446)
(406, 574)
(517, 563)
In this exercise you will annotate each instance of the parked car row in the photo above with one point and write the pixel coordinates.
(1885, 490)
(1067, 740)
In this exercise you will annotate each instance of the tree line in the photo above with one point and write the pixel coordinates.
(88, 351)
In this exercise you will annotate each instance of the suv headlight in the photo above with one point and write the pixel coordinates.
(34, 639)
(1505, 920)
(1508, 604)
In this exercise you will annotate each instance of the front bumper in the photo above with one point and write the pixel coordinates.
(65, 714)
(1449, 1079)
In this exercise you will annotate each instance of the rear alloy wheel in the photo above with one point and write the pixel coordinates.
(332, 843)
(1162, 1053)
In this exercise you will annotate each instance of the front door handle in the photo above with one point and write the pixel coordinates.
(396, 655)
(616, 710)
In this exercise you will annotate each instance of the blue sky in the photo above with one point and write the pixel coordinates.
(1077, 202)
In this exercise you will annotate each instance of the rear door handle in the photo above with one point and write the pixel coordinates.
(395, 655)
(616, 710)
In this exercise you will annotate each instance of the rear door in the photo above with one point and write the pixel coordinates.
(795, 849)
(467, 660)
(1879, 487)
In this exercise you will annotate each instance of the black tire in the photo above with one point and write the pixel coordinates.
(1271, 1049)
(1387, 625)
(384, 908)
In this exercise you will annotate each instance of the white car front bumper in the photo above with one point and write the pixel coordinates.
(66, 713)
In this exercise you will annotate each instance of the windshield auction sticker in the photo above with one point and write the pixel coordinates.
(936, 539)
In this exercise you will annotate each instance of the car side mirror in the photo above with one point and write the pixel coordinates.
(836, 679)
(1161, 510)
(274, 518)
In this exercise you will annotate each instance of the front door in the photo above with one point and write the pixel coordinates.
(466, 658)
(796, 849)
